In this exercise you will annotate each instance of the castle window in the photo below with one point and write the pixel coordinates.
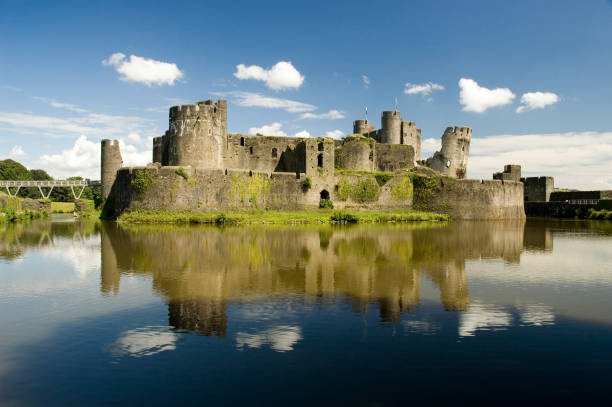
(320, 160)
(209, 132)
(402, 139)
(321, 146)
(274, 153)
(251, 149)
(241, 141)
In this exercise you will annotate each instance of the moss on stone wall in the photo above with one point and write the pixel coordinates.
(142, 181)
(423, 186)
(402, 190)
(255, 190)
(364, 190)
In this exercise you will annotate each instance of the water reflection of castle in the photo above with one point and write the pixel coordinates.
(201, 270)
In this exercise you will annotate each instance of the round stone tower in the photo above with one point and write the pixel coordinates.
(391, 130)
(111, 162)
(452, 159)
(361, 126)
(197, 134)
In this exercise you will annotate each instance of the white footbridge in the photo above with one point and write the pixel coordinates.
(50, 184)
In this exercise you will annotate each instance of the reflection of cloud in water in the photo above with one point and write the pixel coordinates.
(420, 327)
(536, 314)
(145, 341)
(483, 317)
(280, 338)
(83, 254)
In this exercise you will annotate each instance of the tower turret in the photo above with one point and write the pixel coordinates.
(197, 134)
(452, 159)
(111, 162)
(361, 126)
(391, 130)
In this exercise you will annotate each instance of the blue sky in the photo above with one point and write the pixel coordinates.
(58, 98)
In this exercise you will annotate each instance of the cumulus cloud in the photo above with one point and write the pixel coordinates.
(281, 76)
(483, 317)
(60, 105)
(365, 80)
(145, 341)
(336, 134)
(331, 115)
(576, 160)
(274, 130)
(476, 98)
(302, 134)
(17, 152)
(144, 70)
(424, 89)
(249, 99)
(536, 100)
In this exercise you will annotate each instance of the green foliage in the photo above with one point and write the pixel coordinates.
(142, 181)
(382, 177)
(326, 204)
(338, 157)
(62, 207)
(423, 186)
(279, 217)
(602, 214)
(365, 190)
(343, 190)
(604, 204)
(343, 217)
(181, 172)
(402, 190)
(307, 184)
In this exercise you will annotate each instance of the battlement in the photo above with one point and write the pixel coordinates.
(459, 132)
(203, 108)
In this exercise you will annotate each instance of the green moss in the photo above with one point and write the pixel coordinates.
(402, 190)
(343, 190)
(423, 186)
(181, 172)
(142, 181)
(382, 177)
(326, 204)
(366, 190)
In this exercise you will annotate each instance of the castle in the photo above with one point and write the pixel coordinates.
(236, 171)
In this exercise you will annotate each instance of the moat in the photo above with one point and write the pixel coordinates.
(100, 313)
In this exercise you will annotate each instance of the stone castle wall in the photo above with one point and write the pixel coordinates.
(538, 189)
(222, 190)
(452, 159)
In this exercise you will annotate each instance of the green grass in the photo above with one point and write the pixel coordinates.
(62, 207)
(279, 217)
(601, 214)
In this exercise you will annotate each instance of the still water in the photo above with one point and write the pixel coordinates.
(495, 312)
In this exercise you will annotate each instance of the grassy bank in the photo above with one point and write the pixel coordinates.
(601, 214)
(279, 217)
(62, 207)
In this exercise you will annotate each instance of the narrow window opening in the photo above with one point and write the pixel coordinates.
(242, 141)
(251, 149)
(320, 161)
(274, 153)
(321, 146)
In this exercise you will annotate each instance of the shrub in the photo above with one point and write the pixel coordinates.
(343, 217)
(307, 184)
(326, 204)
(143, 179)
(180, 171)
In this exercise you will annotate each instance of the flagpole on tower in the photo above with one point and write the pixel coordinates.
(395, 105)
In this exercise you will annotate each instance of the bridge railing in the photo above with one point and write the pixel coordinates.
(71, 183)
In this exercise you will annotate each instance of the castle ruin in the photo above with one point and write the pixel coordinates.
(237, 171)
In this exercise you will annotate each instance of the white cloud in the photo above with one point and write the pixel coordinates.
(331, 115)
(249, 99)
(576, 160)
(336, 134)
(365, 80)
(302, 134)
(281, 76)
(280, 338)
(17, 152)
(83, 159)
(476, 98)
(429, 146)
(59, 105)
(134, 138)
(536, 100)
(144, 70)
(424, 89)
(483, 317)
(145, 341)
(273, 130)
(91, 124)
